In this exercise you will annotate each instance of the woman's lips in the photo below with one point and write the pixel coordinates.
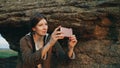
(44, 31)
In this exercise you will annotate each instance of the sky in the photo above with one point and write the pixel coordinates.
(3, 43)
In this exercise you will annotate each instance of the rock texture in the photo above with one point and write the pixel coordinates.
(95, 23)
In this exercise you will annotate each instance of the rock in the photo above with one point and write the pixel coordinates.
(111, 3)
(96, 28)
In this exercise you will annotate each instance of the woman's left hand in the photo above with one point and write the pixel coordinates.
(72, 41)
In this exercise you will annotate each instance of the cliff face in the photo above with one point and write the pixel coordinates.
(95, 23)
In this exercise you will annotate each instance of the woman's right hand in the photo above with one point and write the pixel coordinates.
(55, 36)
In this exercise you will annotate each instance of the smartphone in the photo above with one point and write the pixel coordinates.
(67, 32)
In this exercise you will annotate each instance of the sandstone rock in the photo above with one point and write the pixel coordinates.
(96, 28)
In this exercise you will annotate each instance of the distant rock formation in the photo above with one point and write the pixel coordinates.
(97, 28)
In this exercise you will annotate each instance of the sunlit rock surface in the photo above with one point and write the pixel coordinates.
(95, 23)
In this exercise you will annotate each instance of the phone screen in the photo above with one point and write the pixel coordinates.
(67, 32)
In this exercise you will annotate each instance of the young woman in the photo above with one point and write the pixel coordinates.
(38, 49)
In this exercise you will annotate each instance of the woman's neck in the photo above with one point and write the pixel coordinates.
(38, 37)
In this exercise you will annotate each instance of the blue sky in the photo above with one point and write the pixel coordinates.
(3, 43)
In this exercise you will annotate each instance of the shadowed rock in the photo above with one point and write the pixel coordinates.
(96, 28)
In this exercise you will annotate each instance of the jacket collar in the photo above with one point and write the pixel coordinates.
(29, 37)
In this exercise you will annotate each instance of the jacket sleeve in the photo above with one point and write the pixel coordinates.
(28, 57)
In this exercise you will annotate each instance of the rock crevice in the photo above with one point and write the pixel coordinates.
(96, 28)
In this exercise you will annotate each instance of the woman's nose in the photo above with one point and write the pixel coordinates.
(45, 27)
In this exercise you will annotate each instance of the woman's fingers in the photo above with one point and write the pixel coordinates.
(58, 33)
(59, 36)
(56, 29)
(73, 38)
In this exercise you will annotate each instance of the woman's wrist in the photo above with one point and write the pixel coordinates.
(70, 51)
(70, 47)
(51, 43)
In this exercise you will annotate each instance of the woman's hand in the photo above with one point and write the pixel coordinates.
(72, 41)
(56, 35)
(53, 39)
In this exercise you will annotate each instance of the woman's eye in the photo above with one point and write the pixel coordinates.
(40, 25)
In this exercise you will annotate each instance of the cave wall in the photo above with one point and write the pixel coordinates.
(95, 23)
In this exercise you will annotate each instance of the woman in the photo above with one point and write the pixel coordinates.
(38, 49)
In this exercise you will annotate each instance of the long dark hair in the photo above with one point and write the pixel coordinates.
(34, 20)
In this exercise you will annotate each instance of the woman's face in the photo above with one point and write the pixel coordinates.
(41, 27)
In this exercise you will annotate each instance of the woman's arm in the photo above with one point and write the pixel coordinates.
(70, 52)
(71, 44)
(28, 56)
(53, 39)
